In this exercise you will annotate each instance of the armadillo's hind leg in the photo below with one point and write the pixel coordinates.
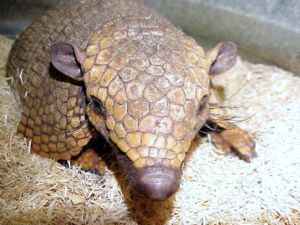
(228, 137)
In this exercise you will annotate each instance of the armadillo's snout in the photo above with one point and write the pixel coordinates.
(157, 183)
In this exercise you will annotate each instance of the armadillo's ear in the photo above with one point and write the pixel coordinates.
(67, 59)
(222, 57)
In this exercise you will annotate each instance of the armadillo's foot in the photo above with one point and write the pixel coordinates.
(234, 140)
(226, 136)
(89, 160)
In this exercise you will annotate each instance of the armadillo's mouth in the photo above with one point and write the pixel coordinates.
(157, 182)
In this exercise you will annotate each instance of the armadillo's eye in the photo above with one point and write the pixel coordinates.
(97, 106)
(203, 104)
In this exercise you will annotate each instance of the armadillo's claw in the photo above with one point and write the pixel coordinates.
(235, 140)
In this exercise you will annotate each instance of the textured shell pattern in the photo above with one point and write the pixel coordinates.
(148, 74)
(151, 78)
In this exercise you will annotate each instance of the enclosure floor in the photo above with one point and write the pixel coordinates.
(264, 100)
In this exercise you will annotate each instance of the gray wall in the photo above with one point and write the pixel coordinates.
(267, 29)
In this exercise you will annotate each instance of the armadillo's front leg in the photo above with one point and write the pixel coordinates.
(227, 136)
(90, 160)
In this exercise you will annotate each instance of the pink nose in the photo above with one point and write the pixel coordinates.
(157, 183)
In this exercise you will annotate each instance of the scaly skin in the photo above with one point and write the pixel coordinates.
(151, 78)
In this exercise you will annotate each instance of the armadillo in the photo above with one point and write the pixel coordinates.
(120, 70)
